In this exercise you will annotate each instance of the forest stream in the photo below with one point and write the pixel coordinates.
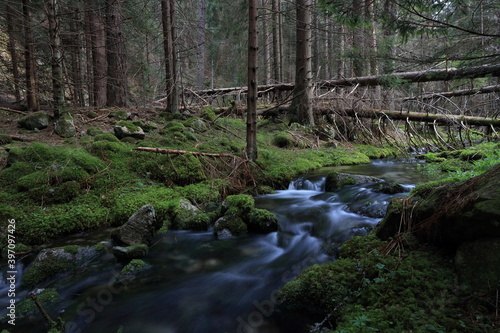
(197, 283)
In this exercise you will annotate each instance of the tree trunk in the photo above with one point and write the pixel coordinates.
(202, 9)
(29, 57)
(55, 58)
(117, 86)
(74, 43)
(277, 41)
(357, 39)
(302, 94)
(251, 147)
(168, 10)
(266, 43)
(88, 55)
(99, 61)
(9, 11)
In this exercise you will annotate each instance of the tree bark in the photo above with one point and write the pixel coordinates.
(277, 41)
(202, 9)
(55, 58)
(168, 10)
(99, 61)
(251, 139)
(29, 58)
(456, 93)
(10, 18)
(301, 104)
(117, 86)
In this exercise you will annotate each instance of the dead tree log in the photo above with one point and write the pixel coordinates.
(374, 80)
(393, 115)
(181, 152)
(456, 93)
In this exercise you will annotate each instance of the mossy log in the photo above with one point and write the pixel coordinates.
(180, 152)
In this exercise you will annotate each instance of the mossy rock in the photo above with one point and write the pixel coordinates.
(199, 222)
(93, 131)
(124, 129)
(262, 221)
(229, 227)
(65, 126)
(207, 113)
(119, 114)
(128, 253)
(106, 137)
(134, 267)
(51, 262)
(239, 205)
(47, 297)
(283, 140)
(36, 120)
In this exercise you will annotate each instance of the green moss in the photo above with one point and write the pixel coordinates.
(376, 152)
(262, 221)
(232, 223)
(45, 270)
(207, 113)
(129, 125)
(283, 140)
(106, 137)
(119, 114)
(48, 298)
(135, 266)
(238, 205)
(197, 222)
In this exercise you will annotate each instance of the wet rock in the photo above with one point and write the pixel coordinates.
(229, 227)
(130, 252)
(478, 264)
(37, 120)
(134, 267)
(123, 131)
(184, 215)
(335, 180)
(50, 262)
(140, 227)
(389, 188)
(65, 126)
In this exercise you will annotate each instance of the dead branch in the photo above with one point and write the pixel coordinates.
(12, 110)
(181, 152)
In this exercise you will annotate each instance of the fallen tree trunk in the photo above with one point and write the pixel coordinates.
(456, 93)
(181, 152)
(393, 115)
(374, 80)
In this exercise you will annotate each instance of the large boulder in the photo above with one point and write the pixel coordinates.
(36, 120)
(140, 227)
(448, 214)
(126, 129)
(65, 126)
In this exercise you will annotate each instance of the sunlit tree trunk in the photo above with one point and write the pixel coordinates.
(251, 147)
(29, 57)
(302, 94)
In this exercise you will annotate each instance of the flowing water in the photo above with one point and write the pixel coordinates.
(199, 284)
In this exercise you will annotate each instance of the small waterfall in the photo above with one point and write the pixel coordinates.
(304, 183)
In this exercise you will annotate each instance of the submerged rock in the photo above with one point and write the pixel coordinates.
(37, 120)
(140, 227)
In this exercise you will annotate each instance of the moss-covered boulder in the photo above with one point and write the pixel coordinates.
(60, 260)
(448, 214)
(262, 221)
(36, 120)
(134, 267)
(128, 253)
(65, 126)
(127, 129)
(200, 222)
(478, 264)
(140, 227)
(229, 226)
(47, 297)
(238, 205)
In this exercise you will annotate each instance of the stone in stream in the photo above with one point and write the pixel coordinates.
(140, 227)
(128, 253)
(335, 180)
